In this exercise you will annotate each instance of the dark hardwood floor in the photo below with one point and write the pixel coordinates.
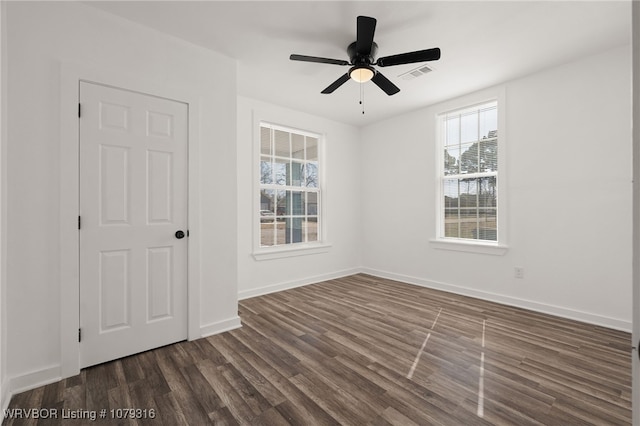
(364, 351)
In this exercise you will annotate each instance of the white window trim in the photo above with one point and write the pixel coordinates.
(469, 246)
(499, 247)
(300, 249)
(297, 249)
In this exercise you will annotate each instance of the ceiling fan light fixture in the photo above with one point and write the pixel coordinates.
(361, 73)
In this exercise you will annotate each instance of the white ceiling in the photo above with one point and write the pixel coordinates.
(483, 43)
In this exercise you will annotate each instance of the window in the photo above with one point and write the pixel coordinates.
(290, 190)
(469, 174)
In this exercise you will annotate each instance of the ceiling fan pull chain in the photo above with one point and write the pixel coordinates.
(362, 96)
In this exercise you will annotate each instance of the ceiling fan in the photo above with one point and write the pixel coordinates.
(362, 54)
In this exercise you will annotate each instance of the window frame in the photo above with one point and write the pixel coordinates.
(261, 252)
(499, 246)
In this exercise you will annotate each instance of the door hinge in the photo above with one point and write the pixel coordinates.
(79, 110)
(79, 222)
(79, 335)
(187, 233)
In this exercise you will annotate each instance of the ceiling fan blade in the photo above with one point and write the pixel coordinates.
(305, 58)
(339, 82)
(385, 84)
(410, 57)
(365, 31)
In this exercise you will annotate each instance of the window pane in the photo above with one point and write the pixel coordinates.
(451, 223)
(312, 148)
(487, 225)
(266, 171)
(452, 131)
(469, 158)
(281, 139)
(469, 193)
(488, 122)
(265, 141)
(452, 160)
(296, 201)
(297, 173)
(311, 229)
(451, 210)
(281, 168)
(488, 192)
(267, 202)
(487, 213)
(267, 235)
(488, 155)
(450, 189)
(461, 208)
(311, 175)
(469, 127)
(294, 230)
(282, 207)
(267, 218)
(312, 204)
(297, 146)
(281, 235)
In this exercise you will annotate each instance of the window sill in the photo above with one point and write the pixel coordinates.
(298, 250)
(470, 247)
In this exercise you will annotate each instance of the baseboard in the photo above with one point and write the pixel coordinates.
(220, 326)
(287, 285)
(35, 379)
(558, 311)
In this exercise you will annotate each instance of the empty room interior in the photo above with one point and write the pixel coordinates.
(319, 212)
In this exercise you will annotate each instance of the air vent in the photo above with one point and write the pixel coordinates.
(416, 72)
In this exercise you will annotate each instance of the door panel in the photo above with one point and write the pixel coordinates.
(159, 284)
(115, 185)
(133, 198)
(160, 200)
(114, 290)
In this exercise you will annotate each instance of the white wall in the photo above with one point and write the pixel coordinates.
(341, 202)
(569, 196)
(635, 400)
(4, 400)
(43, 38)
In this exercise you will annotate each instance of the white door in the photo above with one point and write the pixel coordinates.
(133, 206)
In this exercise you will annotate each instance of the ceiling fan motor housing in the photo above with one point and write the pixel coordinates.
(360, 59)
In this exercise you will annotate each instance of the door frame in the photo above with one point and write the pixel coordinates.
(69, 252)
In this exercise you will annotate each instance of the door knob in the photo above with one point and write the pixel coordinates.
(179, 235)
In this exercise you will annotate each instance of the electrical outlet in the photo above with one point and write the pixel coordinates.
(518, 272)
